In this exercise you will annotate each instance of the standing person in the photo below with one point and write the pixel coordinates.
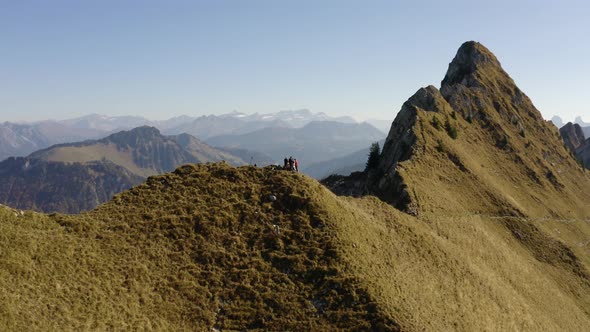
(296, 165)
(291, 163)
(286, 162)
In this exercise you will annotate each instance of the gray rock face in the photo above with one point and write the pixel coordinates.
(572, 136)
(470, 58)
(583, 153)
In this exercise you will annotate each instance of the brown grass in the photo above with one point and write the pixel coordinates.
(197, 249)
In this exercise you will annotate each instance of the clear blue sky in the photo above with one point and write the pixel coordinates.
(158, 59)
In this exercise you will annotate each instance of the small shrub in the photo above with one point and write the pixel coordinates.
(454, 115)
(435, 123)
(451, 130)
(439, 146)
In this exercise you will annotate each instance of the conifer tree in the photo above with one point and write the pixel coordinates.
(374, 155)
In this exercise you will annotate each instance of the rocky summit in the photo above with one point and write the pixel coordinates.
(477, 145)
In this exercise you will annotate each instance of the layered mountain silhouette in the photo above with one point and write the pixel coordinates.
(353, 162)
(208, 126)
(475, 218)
(17, 140)
(75, 177)
(317, 141)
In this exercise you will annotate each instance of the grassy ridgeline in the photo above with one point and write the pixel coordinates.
(194, 249)
(207, 246)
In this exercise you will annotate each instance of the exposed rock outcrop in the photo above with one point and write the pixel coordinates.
(573, 137)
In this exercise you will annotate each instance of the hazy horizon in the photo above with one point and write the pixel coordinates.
(155, 59)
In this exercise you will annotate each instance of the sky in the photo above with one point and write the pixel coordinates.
(159, 59)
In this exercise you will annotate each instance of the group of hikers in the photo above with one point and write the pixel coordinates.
(291, 164)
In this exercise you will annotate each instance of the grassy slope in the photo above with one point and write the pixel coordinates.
(466, 273)
(185, 251)
(97, 152)
(197, 249)
(490, 180)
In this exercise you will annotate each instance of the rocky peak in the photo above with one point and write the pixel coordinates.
(428, 99)
(572, 136)
(401, 138)
(492, 137)
(471, 59)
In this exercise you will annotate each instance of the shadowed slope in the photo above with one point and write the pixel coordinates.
(67, 187)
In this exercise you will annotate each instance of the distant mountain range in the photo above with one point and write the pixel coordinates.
(78, 176)
(92, 169)
(353, 162)
(315, 142)
(21, 139)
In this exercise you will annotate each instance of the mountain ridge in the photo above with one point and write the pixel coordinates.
(498, 133)
(85, 174)
(475, 218)
(211, 246)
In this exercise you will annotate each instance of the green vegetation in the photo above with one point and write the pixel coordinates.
(439, 146)
(374, 156)
(435, 122)
(451, 129)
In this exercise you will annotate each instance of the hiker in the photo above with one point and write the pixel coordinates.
(291, 162)
(286, 162)
(296, 166)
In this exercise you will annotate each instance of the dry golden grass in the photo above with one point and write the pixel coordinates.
(97, 152)
(190, 250)
(198, 248)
